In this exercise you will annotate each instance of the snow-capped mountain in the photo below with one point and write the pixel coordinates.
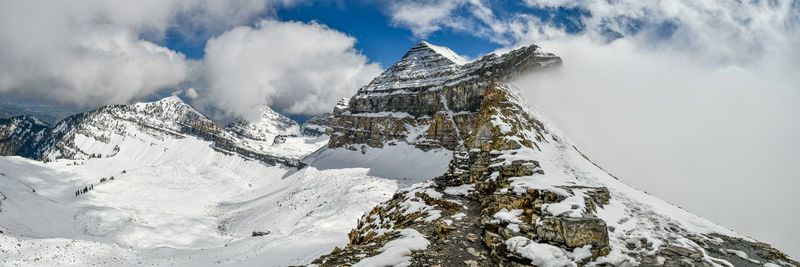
(515, 192)
(273, 134)
(483, 181)
(268, 126)
(423, 64)
(427, 99)
(160, 183)
(100, 132)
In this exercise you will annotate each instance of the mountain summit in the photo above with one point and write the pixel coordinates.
(515, 192)
(427, 99)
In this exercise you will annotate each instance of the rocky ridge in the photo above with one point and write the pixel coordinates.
(19, 134)
(428, 98)
(101, 132)
(515, 193)
(317, 125)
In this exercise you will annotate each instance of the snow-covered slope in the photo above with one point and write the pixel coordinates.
(402, 162)
(269, 125)
(100, 133)
(274, 134)
(145, 184)
(179, 202)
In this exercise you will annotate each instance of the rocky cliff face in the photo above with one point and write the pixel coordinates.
(317, 125)
(515, 193)
(19, 135)
(429, 98)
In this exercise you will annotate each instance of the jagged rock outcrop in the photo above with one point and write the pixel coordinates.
(515, 193)
(19, 135)
(99, 133)
(429, 98)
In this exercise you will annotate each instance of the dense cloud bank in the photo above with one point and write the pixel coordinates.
(296, 67)
(91, 52)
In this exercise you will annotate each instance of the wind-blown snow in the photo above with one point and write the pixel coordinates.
(449, 54)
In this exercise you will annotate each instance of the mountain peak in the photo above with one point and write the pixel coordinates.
(439, 50)
(269, 125)
(172, 98)
(422, 66)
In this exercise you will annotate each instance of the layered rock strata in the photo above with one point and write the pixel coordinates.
(429, 98)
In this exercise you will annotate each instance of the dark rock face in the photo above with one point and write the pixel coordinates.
(317, 125)
(427, 98)
(270, 124)
(20, 135)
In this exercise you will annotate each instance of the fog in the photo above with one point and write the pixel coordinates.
(718, 140)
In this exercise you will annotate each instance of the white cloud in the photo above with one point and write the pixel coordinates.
(91, 52)
(426, 17)
(191, 93)
(720, 141)
(694, 101)
(422, 18)
(295, 67)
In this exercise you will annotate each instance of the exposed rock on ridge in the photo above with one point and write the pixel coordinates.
(99, 133)
(517, 194)
(270, 125)
(427, 99)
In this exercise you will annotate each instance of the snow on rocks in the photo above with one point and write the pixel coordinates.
(540, 254)
(135, 219)
(269, 125)
(398, 251)
(461, 190)
(430, 88)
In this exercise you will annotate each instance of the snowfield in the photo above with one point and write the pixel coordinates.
(402, 162)
(177, 201)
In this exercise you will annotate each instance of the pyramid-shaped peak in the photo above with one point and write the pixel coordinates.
(172, 98)
(425, 48)
(171, 106)
(266, 127)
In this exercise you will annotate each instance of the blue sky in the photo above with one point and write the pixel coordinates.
(382, 41)
(377, 38)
